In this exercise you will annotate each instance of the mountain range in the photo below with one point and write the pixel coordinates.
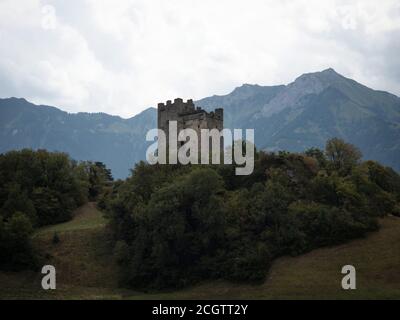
(303, 114)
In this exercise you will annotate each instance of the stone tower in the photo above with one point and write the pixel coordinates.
(188, 116)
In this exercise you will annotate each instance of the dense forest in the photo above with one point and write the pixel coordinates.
(175, 225)
(40, 188)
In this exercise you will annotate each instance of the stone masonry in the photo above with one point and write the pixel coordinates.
(188, 116)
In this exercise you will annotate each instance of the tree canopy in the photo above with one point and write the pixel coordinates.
(174, 225)
(40, 188)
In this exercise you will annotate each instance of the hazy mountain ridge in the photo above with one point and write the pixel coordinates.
(315, 107)
(302, 114)
(85, 136)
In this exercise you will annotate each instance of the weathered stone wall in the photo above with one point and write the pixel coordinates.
(188, 116)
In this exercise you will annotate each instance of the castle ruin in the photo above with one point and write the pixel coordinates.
(188, 116)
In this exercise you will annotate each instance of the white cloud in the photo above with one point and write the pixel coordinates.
(123, 56)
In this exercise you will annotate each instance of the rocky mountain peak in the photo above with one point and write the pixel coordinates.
(307, 83)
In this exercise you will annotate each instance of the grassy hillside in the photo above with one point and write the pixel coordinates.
(86, 270)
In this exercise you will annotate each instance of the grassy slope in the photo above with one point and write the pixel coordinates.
(86, 270)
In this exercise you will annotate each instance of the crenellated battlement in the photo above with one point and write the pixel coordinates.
(178, 105)
(182, 108)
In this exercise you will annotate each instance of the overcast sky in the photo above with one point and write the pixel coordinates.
(123, 56)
